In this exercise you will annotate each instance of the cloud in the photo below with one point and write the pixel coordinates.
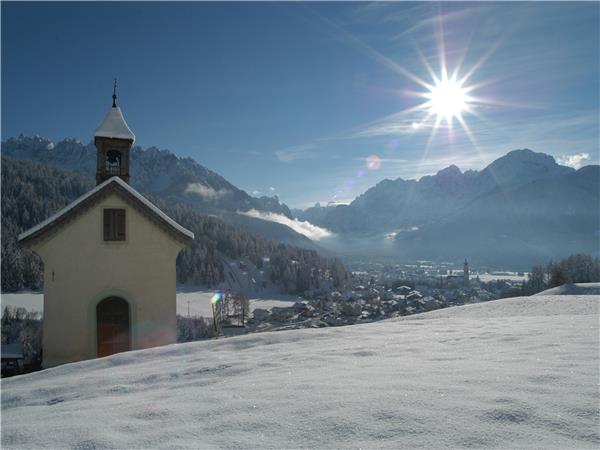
(435, 20)
(295, 152)
(206, 191)
(271, 188)
(256, 192)
(299, 226)
(575, 161)
(397, 124)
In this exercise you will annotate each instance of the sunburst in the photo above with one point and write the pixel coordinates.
(448, 99)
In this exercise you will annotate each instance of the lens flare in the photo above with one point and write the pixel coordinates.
(373, 162)
(392, 145)
(216, 297)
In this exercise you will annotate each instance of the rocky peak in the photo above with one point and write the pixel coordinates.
(450, 171)
(523, 166)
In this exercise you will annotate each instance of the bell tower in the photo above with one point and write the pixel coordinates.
(113, 139)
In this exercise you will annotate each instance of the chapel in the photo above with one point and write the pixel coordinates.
(109, 262)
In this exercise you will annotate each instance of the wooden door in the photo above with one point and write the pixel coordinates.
(112, 319)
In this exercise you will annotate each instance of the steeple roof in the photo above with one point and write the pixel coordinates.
(114, 126)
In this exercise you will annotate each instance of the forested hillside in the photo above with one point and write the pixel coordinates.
(31, 192)
(174, 179)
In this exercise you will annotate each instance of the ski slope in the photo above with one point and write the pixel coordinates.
(511, 373)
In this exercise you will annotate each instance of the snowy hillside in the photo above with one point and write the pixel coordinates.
(519, 372)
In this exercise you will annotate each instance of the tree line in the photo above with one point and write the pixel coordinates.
(23, 327)
(30, 194)
(580, 268)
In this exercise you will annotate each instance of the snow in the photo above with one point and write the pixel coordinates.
(30, 300)
(199, 301)
(53, 218)
(508, 276)
(114, 126)
(511, 373)
(574, 289)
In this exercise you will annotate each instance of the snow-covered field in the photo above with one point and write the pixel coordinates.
(511, 373)
(31, 301)
(507, 276)
(199, 301)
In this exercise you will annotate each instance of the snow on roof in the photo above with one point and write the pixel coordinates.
(114, 126)
(50, 221)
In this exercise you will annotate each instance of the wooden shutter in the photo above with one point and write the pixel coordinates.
(107, 224)
(119, 224)
(114, 225)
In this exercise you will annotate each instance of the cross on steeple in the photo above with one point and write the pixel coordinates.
(114, 96)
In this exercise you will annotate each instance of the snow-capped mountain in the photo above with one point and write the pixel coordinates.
(397, 204)
(522, 209)
(519, 226)
(520, 167)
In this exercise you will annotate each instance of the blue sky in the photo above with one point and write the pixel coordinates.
(292, 98)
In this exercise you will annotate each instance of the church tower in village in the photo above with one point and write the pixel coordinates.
(466, 272)
(113, 139)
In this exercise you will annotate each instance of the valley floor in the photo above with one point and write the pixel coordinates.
(510, 373)
(198, 298)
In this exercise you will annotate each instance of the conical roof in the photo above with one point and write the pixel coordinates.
(114, 126)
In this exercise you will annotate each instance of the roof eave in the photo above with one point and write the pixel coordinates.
(29, 237)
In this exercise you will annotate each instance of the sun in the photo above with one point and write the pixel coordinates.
(448, 99)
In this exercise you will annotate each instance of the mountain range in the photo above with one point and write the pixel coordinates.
(522, 209)
(400, 204)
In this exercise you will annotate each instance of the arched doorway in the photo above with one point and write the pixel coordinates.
(112, 324)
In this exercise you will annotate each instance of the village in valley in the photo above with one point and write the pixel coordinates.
(378, 291)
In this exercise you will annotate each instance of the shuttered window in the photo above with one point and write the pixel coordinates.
(114, 224)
